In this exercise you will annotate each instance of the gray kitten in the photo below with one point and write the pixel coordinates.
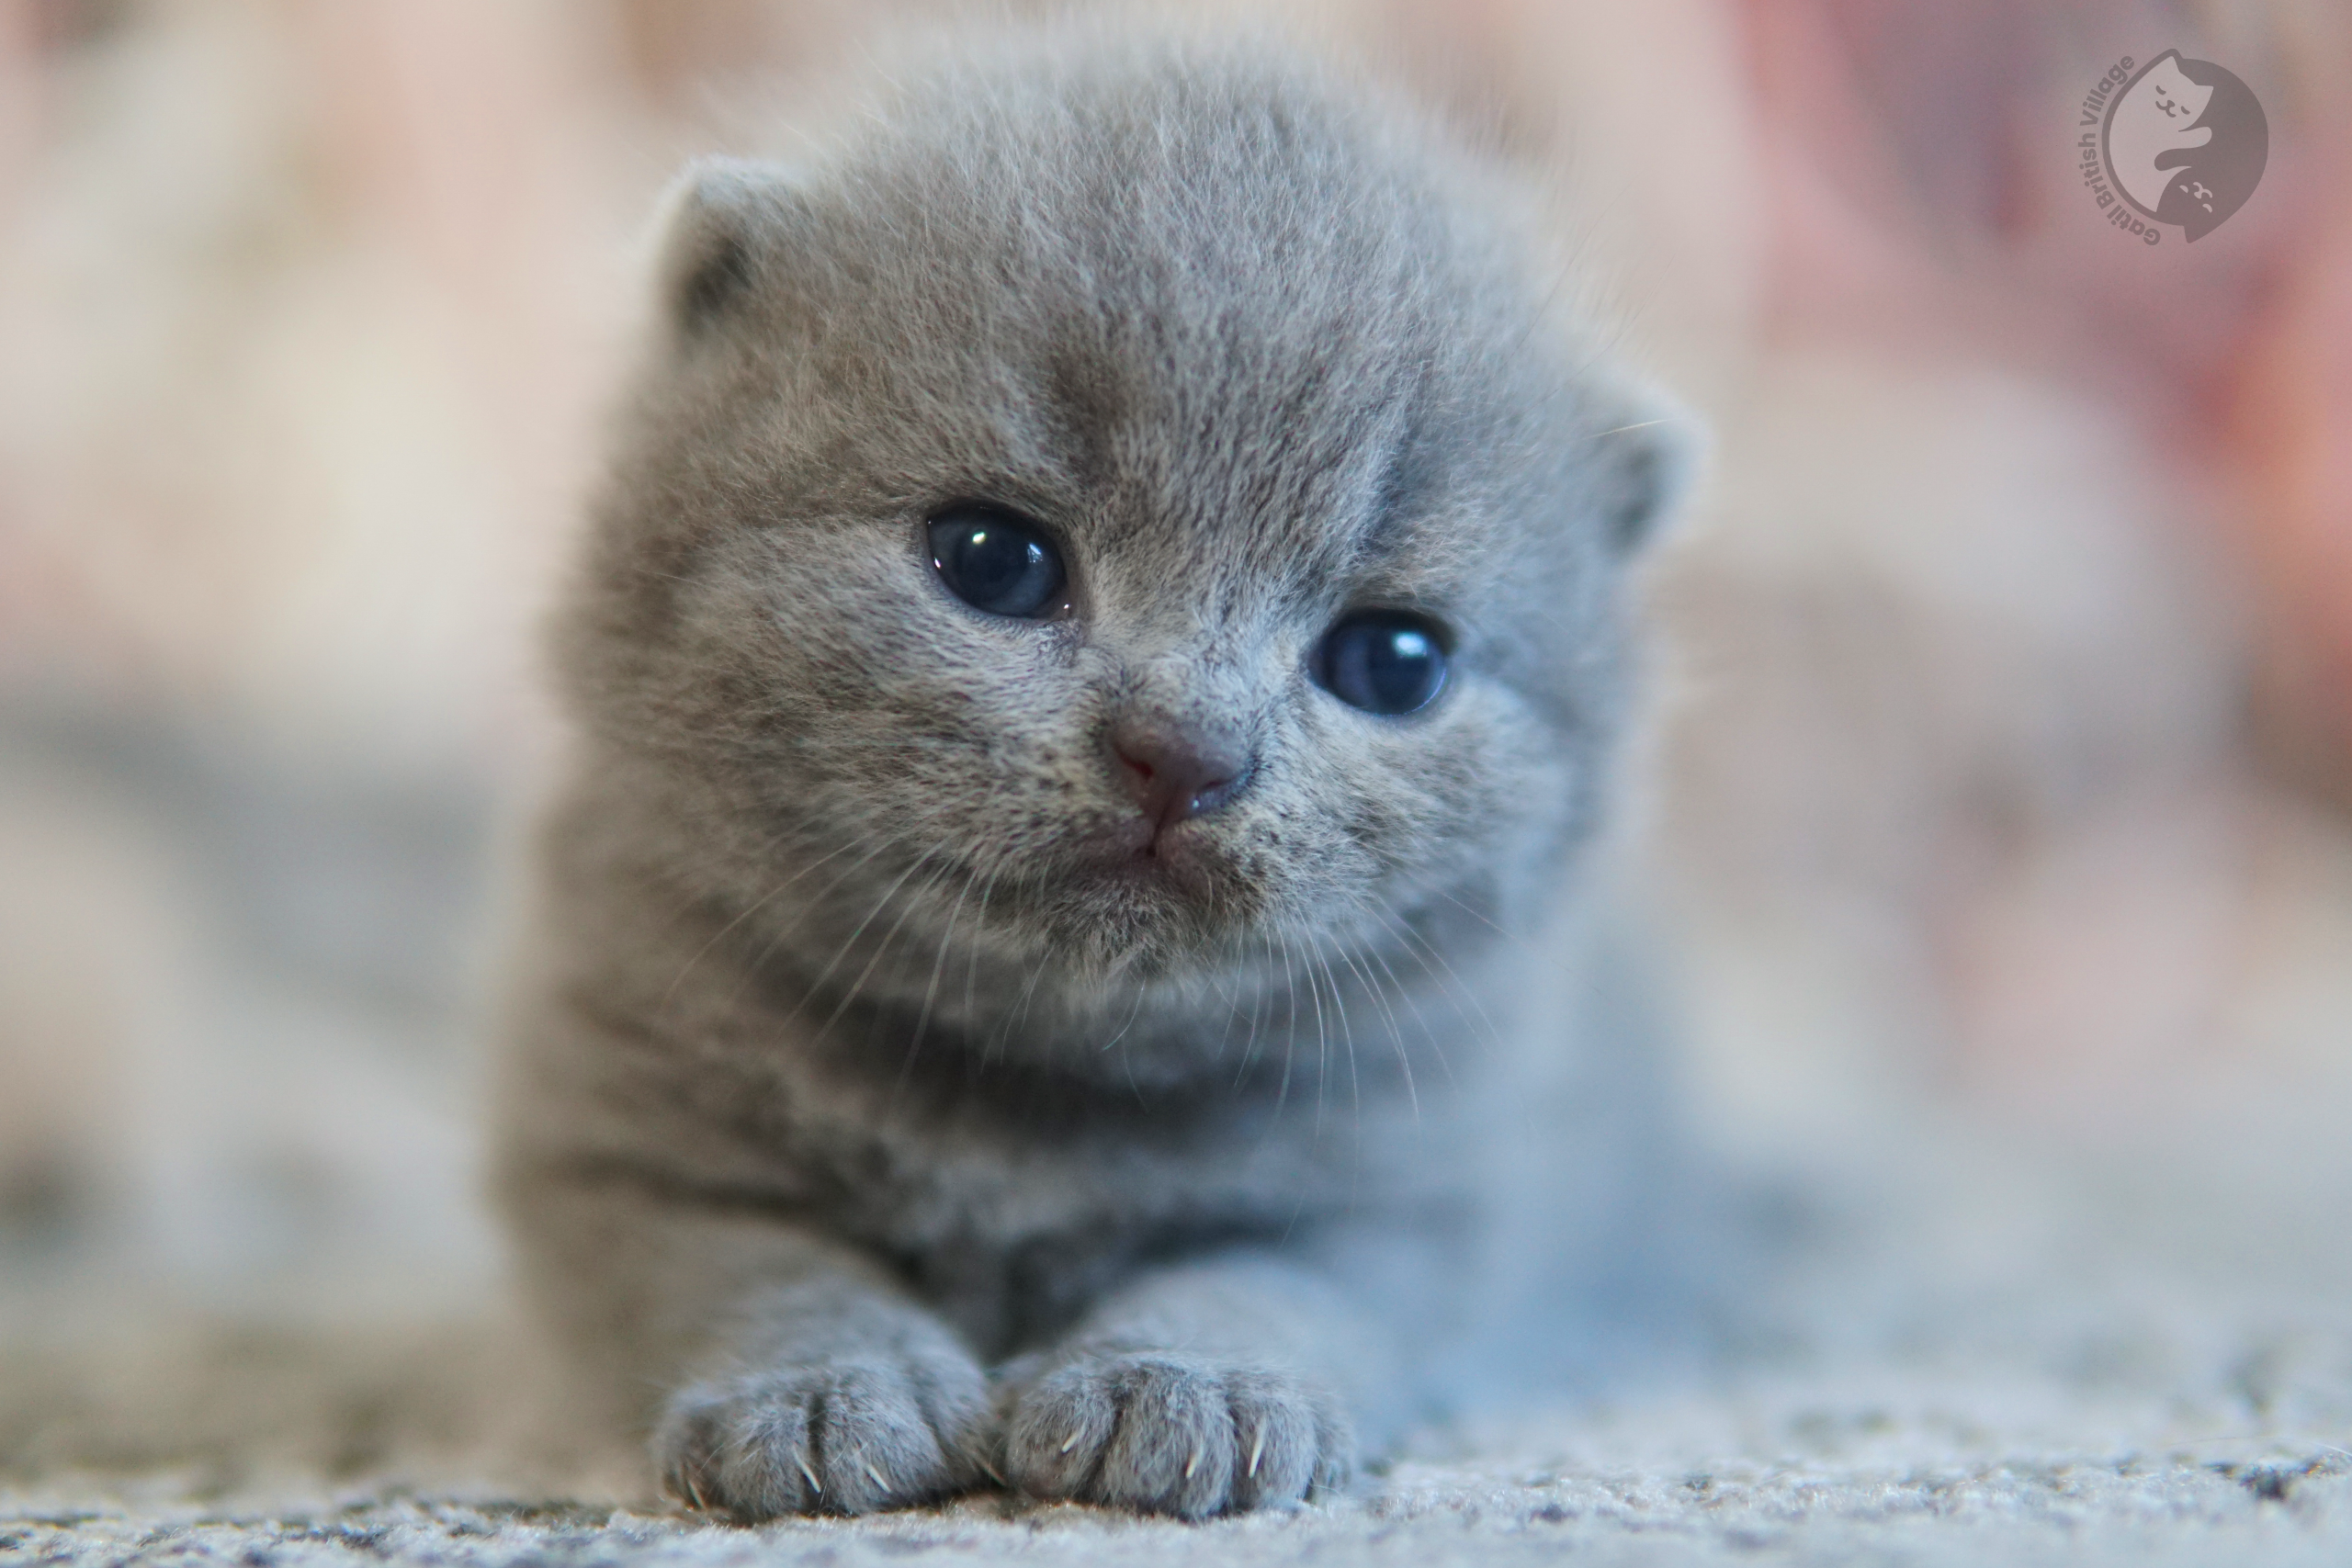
(1095, 662)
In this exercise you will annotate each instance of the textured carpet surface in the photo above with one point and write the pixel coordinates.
(2156, 1510)
(1914, 1496)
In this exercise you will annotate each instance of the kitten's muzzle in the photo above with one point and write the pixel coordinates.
(1174, 770)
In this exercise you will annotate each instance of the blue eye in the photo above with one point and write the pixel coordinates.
(999, 561)
(1383, 661)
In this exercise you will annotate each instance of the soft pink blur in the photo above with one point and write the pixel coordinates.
(1914, 199)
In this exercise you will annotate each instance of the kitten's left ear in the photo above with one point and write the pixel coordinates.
(1647, 464)
(723, 225)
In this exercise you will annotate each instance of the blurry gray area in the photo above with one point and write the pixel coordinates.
(355, 883)
(236, 1008)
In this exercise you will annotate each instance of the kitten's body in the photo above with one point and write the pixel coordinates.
(894, 1104)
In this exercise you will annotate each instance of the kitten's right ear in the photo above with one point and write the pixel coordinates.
(723, 223)
(1648, 465)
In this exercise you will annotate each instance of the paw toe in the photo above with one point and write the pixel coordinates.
(1284, 1449)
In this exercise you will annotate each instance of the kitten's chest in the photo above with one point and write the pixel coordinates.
(968, 1168)
(1012, 1232)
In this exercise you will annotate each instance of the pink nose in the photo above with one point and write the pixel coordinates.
(1173, 771)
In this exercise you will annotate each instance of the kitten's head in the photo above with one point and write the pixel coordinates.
(1117, 532)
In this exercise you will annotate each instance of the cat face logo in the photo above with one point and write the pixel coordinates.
(2184, 143)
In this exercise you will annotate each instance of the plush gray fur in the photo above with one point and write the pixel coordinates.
(878, 1123)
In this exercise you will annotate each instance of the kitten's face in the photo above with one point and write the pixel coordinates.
(1236, 380)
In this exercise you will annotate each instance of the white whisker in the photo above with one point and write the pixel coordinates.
(754, 908)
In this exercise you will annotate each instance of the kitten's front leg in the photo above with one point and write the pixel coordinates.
(792, 1374)
(1218, 1386)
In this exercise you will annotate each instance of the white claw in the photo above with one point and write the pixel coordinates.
(1257, 1451)
(1071, 1441)
(1192, 1464)
(814, 1484)
(877, 1478)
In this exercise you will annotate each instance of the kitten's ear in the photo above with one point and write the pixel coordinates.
(1648, 463)
(722, 226)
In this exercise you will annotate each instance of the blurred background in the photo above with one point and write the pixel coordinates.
(2004, 754)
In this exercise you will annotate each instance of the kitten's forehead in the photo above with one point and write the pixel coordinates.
(1234, 318)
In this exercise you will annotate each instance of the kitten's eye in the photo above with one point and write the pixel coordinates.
(997, 561)
(1383, 661)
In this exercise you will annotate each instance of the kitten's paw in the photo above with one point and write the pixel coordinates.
(848, 1437)
(1166, 1432)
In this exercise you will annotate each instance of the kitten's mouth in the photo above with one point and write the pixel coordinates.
(1172, 851)
(1112, 890)
(1141, 874)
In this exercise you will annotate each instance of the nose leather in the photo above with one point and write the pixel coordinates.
(1173, 771)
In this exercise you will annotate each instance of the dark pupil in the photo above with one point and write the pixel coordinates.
(997, 563)
(1383, 662)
